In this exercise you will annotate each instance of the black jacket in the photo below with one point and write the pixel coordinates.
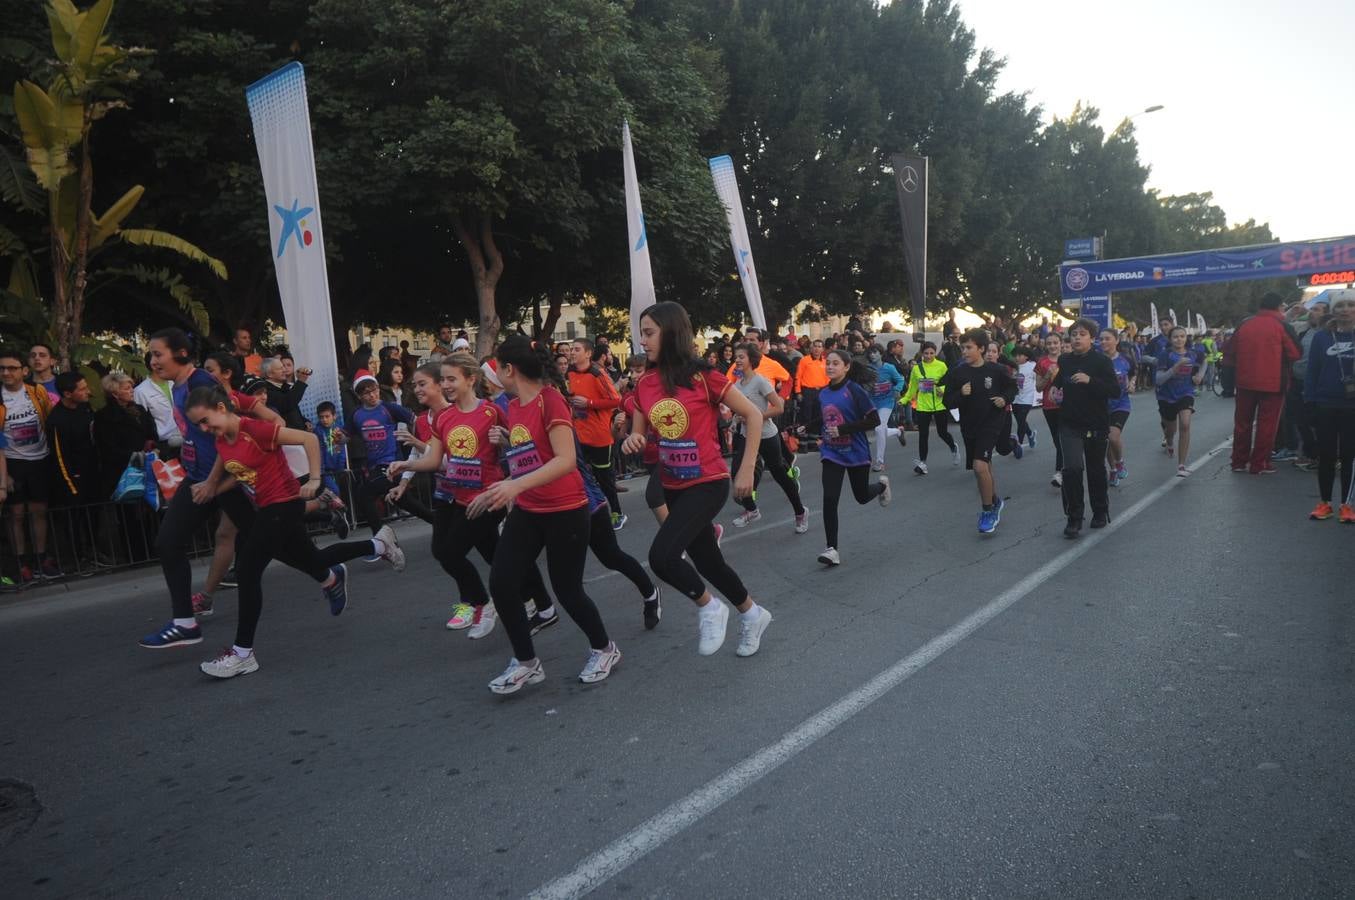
(75, 462)
(1086, 405)
(118, 433)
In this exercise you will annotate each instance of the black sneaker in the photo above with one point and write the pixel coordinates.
(230, 581)
(540, 623)
(653, 610)
(339, 522)
(1100, 520)
(1074, 528)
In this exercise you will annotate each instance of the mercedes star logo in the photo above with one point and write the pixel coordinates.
(908, 179)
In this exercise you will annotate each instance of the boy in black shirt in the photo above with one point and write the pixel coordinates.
(981, 391)
(1088, 382)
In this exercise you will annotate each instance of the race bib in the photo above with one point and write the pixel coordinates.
(188, 454)
(1020, 381)
(465, 473)
(524, 459)
(882, 388)
(23, 435)
(375, 435)
(926, 386)
(680, 459)
(442, 487)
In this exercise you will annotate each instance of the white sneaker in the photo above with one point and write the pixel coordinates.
(829, 557)
(802, 522)
(750, 633)
(748, 515)
(482, 623)
(919, 467)
(955, 457)
(877, 466)
(713, 626)
(229, 664)
(886, 495)
(1057, 480)
(1182, 472)
(393, 555)
(517, 675)
(599, 664)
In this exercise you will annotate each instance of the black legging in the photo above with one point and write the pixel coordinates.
(599, 459)
(564, 536)
(862, 489)
(602, 541)
(1335, 442)
(1022, 413)
(374, 487)
(454, 534)
(942, 421)
(182, 519)
(279, 532)
(1084, 450)
(1051, 418)
(769, 451)
(654, 487)
(688, 529)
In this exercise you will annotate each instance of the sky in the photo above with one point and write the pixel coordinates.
(1256, 96)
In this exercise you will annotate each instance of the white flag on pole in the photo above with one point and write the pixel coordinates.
(641, 274)
(1152, 311)
(727, 187)
(1199, 319)
(1190, 321)
(1171, 313)
(282, 134)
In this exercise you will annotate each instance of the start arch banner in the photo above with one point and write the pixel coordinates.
(1299, 258)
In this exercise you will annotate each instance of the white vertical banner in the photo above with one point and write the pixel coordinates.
(1171, 314)
(1199, 321)
(641, 273)
(1190, 321)
(1152, 311)
(727, 187)
(282, 134)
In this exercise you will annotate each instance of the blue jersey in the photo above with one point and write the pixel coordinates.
(591, 488)
(1178, 386)
(840, 406)
(888, 384)
(1124, 373)
(376, 426)
(333, 455)
(198, 453)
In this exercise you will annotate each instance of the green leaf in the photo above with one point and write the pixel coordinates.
(64, 20)
(17, 184)
(89, 36)
(149, 237)
(107, 225)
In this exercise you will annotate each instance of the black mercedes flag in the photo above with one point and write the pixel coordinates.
(910, 175)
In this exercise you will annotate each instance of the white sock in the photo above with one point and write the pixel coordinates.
(547, 613)
(653, 596)
(242, 652)
(186, 623)
(713, 607)
(378, 547)
(753, 612)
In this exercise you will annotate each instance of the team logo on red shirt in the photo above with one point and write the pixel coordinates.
(669, 418)
(462, 444)
(519, 435)
(243, 474)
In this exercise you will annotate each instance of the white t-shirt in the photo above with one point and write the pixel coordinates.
(1025, 384)
(153, 399)
(25, 437)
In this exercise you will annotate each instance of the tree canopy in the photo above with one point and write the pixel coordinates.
(468, 156)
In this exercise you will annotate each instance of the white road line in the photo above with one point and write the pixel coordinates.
(596, 869)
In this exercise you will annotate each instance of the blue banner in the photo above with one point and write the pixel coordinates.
(1096, 308)
(1207, 267)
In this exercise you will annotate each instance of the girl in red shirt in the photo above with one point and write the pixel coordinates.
(249, 453)
(550, 511)
(679, 398)
(466, 461)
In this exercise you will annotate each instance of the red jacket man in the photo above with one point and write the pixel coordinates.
(1262, 351)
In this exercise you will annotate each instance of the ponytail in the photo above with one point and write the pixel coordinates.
(531, 359)
(209, 397)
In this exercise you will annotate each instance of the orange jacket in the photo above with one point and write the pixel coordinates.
(594, 423)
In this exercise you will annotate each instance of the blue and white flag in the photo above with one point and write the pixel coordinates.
(641, 274)
(727, 187)
(282, 134)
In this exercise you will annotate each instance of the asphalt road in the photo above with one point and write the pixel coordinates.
(1162, 710)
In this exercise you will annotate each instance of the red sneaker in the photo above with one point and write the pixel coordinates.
(1321, 512)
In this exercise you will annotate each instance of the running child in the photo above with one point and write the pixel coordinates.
(376, 421)
(249, 452)
(981, 391)
(1087, 380)
(679, 398)
(848, 415)
(549, 511)
(888, 384)
(1046, 368)
(1178, 374)
(1026, 396)
(1121, 355)
(924, 392)
(761, 393)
